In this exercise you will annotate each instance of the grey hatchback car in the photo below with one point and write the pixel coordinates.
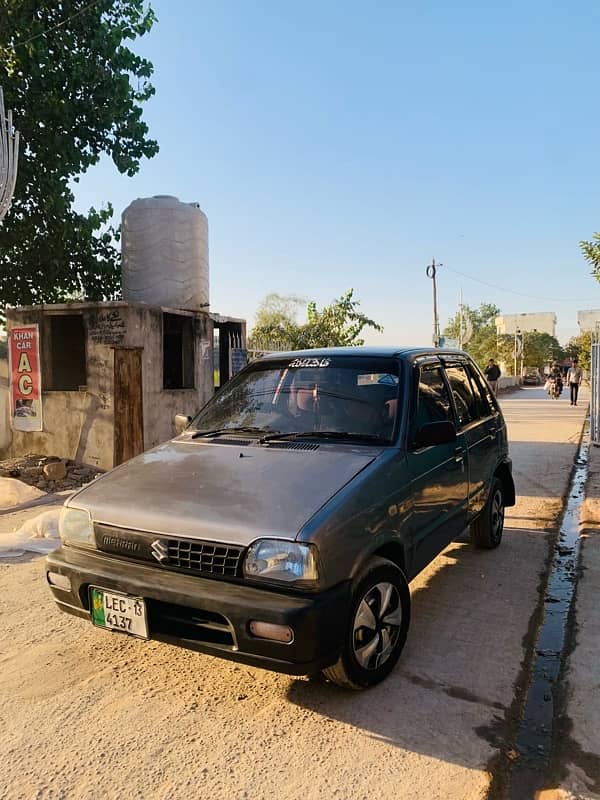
(282, 526)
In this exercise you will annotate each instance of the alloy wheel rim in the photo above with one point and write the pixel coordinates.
(377, 624)
(497, 514)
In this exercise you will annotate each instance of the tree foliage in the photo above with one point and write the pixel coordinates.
(540, 349)
(75, 89)
(580, 347)
(482, 343)
(485, 343)
(277, 316)
(591, 253)
(478, 318)
(337, 325)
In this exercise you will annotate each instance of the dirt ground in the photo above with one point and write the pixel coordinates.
(30, 470)
(88, 714)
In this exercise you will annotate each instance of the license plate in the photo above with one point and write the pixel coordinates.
(119, 612)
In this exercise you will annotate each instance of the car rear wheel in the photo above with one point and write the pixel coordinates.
(378, 625)
(486, 530)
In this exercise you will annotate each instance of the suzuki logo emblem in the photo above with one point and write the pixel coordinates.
(160, 551)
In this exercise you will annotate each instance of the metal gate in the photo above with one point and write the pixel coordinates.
(595, 390)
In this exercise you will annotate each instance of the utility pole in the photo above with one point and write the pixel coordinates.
(431, 273)
(460, 321)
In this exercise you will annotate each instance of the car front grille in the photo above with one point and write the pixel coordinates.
(214, 559)
(200, 557)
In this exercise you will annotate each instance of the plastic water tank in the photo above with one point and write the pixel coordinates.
(165, 253)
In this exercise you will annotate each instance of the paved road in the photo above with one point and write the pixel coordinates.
(85, 714)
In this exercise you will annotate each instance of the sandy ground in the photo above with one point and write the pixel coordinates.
(84, 713)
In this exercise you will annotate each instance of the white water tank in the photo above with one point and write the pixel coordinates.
(164, 245)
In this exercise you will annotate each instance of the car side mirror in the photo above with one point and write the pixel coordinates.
(181, 423)
(435, 433)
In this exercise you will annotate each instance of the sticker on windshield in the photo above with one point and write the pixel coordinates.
(310, 362)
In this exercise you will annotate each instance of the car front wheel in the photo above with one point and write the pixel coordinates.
(486, 531)
(378, 625)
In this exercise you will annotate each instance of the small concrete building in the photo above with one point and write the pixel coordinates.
(542, 322)
(114, 374)
(108, 378)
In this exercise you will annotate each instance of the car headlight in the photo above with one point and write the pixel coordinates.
(75, 527)
(287, 562)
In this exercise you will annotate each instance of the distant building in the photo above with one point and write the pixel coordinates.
(588, 320)
(542, 322)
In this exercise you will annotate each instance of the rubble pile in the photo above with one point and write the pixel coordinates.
(48, 473)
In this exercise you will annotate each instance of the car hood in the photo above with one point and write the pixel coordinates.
(224, 493)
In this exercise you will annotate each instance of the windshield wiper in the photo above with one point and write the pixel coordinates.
(239, 429)
(339, 435)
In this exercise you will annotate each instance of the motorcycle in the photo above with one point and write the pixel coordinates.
(554, 388)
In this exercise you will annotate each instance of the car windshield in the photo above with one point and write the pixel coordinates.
(356, 395)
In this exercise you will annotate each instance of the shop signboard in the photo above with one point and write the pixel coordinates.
(25, 378)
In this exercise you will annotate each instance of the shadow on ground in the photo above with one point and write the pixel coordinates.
(471, 613)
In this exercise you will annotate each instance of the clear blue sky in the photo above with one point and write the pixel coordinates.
(343, 144)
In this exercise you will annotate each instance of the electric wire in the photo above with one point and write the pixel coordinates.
(514, 291)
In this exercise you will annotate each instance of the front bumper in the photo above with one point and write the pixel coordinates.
(212, 616)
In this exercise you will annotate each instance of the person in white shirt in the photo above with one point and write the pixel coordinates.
(574, 376)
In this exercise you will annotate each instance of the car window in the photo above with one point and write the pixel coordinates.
(468, 407)
(384, 379)
(433, 400)
(350, 394)
(483, 393)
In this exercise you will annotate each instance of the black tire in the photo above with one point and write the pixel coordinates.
(371, 649)
(486, 530)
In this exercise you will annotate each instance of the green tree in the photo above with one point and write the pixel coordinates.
(75, 89)
(506, 351)
(478, 318)
(276, 313)
(591, 253)
(580, 347)
(482, 343)
(337, 325)
(540, 349)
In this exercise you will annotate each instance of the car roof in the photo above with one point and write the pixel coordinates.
(405, 353)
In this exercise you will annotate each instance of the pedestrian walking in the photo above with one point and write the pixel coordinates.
(492, 373)
(574, 376)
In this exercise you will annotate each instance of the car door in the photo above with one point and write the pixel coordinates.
(478, 420)
(439, 478)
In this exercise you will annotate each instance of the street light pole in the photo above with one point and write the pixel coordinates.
(431, 273)
(517, 332)
(522, 352)
(460, 322)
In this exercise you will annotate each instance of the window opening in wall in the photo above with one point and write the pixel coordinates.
(229, 356)
(68, 369)
(178, 352)
(216, 358)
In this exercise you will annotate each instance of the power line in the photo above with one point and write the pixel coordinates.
(58, 25)
(520, 294)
